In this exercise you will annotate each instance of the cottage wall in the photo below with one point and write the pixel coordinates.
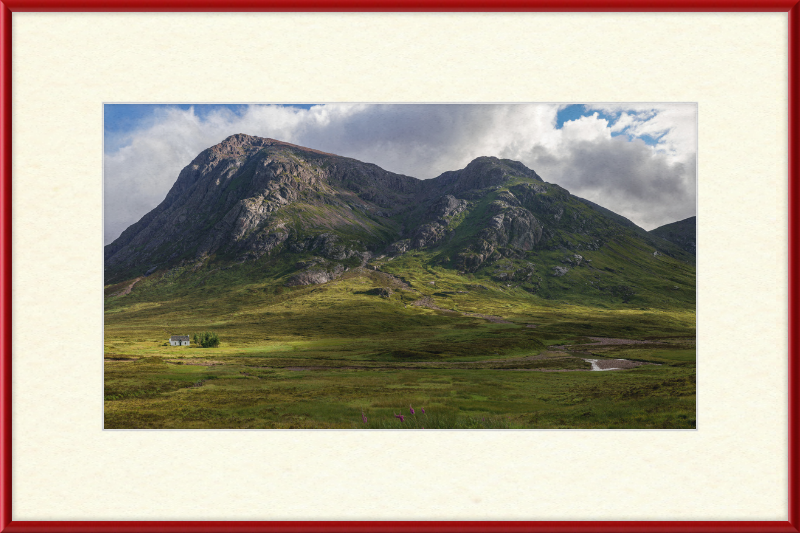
(179, 342)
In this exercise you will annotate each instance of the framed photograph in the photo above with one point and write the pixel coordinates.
(379, 300)
(553, 244)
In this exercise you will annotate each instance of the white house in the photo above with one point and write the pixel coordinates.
(179, 340)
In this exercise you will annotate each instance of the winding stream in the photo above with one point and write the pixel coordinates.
(596, 367)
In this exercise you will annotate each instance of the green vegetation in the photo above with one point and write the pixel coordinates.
(318, 356)
(486, 309)
(207, 339)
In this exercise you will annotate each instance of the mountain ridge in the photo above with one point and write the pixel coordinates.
(682, 233)
(249, 198)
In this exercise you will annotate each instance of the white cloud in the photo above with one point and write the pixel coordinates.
(587, 128)
(625, 120)
(675, 124)
(650, 185)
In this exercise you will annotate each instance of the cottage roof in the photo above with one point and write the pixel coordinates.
(179, 338)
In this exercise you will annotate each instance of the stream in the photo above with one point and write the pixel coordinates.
(596, 367)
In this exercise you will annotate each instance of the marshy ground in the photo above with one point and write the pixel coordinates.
(331, 355)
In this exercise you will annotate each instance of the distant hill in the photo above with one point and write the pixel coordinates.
(683, 233)
(299, 216)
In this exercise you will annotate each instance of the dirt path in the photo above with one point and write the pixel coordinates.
(128, 289)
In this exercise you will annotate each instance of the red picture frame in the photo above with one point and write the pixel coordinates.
(792, 7)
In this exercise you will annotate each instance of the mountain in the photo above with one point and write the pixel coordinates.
(682, 233)
(247, 195)
(301, 216)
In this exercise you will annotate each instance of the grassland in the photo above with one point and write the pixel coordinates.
(472, 352)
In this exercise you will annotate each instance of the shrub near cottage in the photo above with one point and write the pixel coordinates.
(207, 339)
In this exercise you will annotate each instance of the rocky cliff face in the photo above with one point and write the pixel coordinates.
(250, 197)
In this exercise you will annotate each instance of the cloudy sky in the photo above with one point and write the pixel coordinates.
(638, 160)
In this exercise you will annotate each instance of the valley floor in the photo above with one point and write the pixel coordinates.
(340, 355)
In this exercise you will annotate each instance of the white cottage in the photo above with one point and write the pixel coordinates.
(179, 340)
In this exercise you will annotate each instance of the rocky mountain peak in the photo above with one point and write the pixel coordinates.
(484, 172)
(237, 144)
(499, 167)
(249, 197)
(240, 144)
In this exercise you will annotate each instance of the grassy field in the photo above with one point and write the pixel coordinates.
(470, 352)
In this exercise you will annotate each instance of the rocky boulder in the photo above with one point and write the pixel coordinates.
(559, 271)
(315, 275)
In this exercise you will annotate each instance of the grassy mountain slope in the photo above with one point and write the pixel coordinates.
(682, 233)
(338, 289)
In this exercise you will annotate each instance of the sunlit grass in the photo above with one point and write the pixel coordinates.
(317, 356)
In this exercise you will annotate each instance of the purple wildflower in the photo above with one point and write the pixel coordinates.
(363, 416)
(423, 410)
(412, 409)
(401, 417)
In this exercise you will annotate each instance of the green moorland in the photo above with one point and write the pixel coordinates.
(472, 351)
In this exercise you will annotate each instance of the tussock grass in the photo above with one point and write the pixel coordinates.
(316, 356)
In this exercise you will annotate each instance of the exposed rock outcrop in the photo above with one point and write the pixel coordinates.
(255, 199)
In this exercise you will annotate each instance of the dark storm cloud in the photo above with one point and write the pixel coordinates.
(627, 177)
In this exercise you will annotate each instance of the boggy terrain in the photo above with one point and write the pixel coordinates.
(320, 356)
(345, 296)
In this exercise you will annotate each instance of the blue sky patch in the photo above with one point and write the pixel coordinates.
(571, 112)
(120, 120)
(650, 140)
(576, 111)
